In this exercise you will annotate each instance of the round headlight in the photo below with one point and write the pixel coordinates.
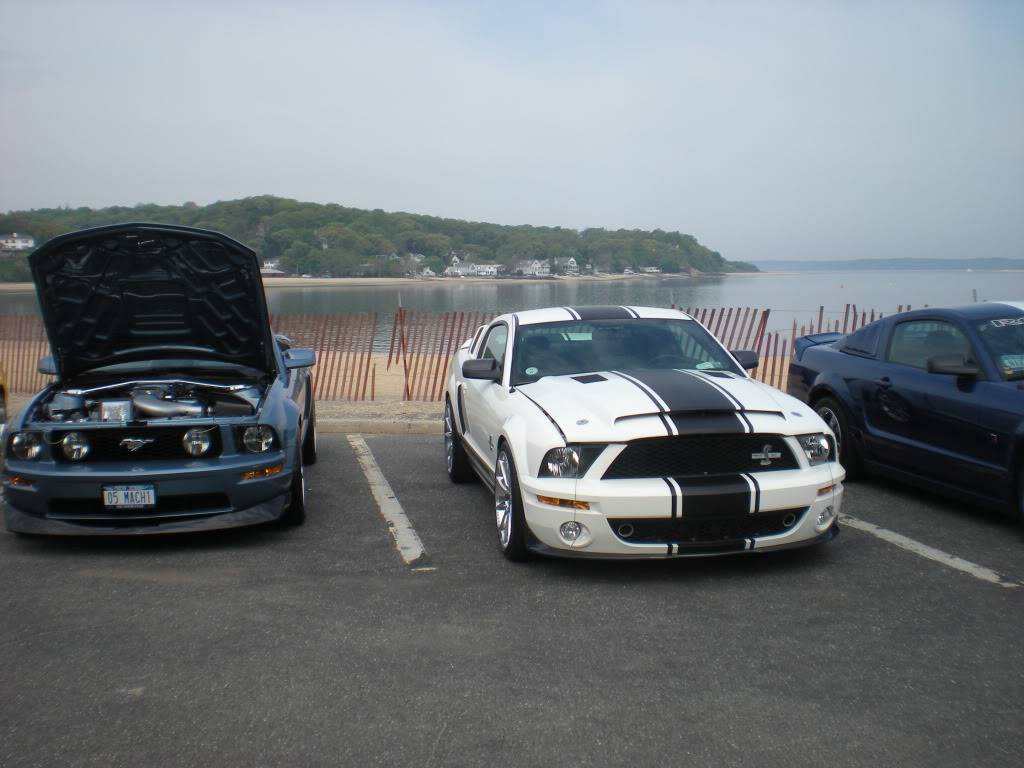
(197, 441)
(26, 445)
(75, 446)
(258, 439)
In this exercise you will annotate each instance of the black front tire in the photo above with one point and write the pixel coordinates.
(456, 460)
(836, 417)
(309, 441)
(295, 514)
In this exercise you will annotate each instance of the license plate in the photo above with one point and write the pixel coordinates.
(129, 496)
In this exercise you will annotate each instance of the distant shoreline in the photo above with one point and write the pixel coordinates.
(336, 282)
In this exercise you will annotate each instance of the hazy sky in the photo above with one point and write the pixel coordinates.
(768, 130)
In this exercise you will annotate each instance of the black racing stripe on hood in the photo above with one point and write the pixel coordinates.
(682, 392)
(602, 313)
(708, 423)
(550, 417)
(714, 498)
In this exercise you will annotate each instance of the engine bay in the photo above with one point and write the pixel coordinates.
(147, 400)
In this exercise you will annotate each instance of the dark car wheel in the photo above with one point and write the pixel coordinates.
(456, 460)
(309, 441)
(296, 512)
(508, 507)
(834, 415)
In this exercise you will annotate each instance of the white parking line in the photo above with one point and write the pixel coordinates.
(930, 553)
(406, 539)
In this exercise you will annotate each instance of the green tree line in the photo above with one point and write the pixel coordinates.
(317, 239)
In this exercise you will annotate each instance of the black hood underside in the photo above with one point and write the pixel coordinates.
(134, 292)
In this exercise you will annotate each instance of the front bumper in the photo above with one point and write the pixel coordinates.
(649, 500)
(190, 496)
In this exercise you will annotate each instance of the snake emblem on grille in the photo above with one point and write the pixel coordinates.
(134, 443)
(766, 454)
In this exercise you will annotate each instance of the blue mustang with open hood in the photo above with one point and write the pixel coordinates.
(173, 406)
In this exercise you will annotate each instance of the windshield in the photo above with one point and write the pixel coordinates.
(559, 349)
(1004, 339)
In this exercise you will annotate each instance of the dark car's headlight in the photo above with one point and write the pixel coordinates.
(258, 439)
(26, 445)
(75, 446)
(817, 448)
(570, 461)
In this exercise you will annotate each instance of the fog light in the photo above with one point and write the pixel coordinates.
(197, 441)
(19, 482)
(26, 445)
(258, 439)
(826, 516)
(75, 446)
(570, 531)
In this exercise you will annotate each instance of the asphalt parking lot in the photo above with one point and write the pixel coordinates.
(321, 646)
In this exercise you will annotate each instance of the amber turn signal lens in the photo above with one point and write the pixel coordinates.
(826, 489)
(252, 474)
(564, 502)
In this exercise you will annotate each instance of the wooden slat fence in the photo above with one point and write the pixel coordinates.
(420, 346)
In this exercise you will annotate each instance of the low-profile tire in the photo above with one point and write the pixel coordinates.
(837, 419)
(309, 441)
(1017, 511)
(508, 507)
(456, 460)
(295, 514)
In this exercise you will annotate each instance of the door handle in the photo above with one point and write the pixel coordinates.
(884, 382)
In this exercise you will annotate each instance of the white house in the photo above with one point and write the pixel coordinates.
(571, 267)
(534, 268)
(16, 242)
(651, 270)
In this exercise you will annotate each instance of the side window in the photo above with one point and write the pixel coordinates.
(494, 344)
(913, 342)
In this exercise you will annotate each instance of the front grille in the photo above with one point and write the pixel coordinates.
(92, 510)
(699, 455)
(105, 444)
(708, 531)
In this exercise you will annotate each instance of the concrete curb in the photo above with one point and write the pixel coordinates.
(379, 426)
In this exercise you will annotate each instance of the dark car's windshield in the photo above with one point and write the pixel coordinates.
(558, 349)
(1004, 339)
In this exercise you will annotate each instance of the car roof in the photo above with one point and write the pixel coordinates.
(566, 314)
(988, 310)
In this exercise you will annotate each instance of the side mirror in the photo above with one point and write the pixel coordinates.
(47, 366)
(299, 358)
(745, 357)
(952, 365)
(486, 369)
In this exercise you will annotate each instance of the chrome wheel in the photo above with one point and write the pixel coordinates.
(449, 437)
(832, 421)
(503, 499)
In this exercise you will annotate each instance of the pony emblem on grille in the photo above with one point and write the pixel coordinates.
(135, 443)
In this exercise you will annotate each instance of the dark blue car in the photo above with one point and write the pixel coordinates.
(934, 397)
(173, 407)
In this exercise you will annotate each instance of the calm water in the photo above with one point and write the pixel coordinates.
(789, 295)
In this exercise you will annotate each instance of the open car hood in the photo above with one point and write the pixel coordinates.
(133, 292)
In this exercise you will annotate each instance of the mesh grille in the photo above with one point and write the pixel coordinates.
(700, 455)
(683, 531)
(105, 444)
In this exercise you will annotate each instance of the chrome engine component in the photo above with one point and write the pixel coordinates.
(152, 399)
(115, 410)
(148, 404)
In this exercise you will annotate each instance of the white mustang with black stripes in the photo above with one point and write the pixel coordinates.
(632, 432)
